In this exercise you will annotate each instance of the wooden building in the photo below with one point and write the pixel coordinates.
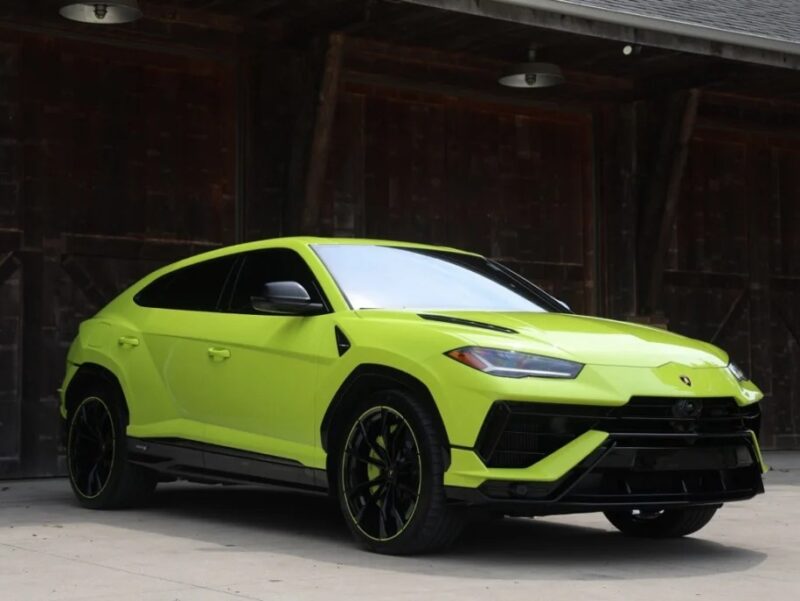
(660, 182)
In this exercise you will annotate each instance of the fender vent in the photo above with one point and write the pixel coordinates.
(342, 343)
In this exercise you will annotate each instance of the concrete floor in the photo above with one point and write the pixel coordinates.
(199, 543)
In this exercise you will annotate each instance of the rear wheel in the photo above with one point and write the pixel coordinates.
(390, 477)
(668, 523)
(97, 455)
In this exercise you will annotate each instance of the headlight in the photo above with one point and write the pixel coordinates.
(513, 364)
(736, 372)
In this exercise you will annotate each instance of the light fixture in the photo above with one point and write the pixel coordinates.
(631, 49)
(107, 12)
(532, 74)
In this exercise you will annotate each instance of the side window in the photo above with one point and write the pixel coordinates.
(194, 288)
(270, 265)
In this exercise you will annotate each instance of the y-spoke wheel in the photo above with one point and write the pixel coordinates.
(97, 455)
(91, 447)
(389, 467)
(381, 473)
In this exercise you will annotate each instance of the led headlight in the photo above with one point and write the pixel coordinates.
(513, 364)
(736, 372)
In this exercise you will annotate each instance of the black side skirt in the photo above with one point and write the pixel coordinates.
(215, 464)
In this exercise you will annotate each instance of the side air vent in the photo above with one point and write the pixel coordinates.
(342, 343)
(467, 322)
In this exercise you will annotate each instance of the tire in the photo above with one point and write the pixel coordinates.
(670, 523)
(389, 467)
(97, 455)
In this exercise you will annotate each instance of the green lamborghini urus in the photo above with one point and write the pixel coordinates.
(417, 385)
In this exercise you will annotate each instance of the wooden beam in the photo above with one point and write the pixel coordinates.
(562, 20)
(96, 291)
(244, 151)
(323, 126)
(659, 207)
(8, 265)
(730, 316)
(132, 249)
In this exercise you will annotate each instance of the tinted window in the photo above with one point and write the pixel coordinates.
(382, 277)
(270, 265)
(194, 288)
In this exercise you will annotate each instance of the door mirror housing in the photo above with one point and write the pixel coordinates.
(285, 298)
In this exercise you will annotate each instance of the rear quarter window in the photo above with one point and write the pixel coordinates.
(197, 287)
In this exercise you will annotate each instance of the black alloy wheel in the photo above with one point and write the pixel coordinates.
(97, 456)
(381, 473)
(91, 447)
(389, 467)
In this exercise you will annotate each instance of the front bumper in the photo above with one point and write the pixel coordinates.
(645, 456)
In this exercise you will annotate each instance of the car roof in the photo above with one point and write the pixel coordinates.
(293, 242)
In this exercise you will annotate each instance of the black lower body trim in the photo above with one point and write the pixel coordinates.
(620, 475)
(215, 464)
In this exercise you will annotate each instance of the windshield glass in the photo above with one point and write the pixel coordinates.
(384, 277)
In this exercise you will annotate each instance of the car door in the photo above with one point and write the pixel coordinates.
(270, 368)
(182, 312)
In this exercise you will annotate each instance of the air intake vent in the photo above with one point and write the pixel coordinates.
(467, 322)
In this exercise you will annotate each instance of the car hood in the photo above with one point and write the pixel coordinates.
(589, 340)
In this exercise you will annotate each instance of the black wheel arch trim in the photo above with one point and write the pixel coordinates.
(88, 372)
(373, 376)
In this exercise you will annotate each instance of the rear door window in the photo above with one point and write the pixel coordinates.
(197, 287)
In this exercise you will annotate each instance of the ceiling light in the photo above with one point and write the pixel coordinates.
(532, 74)
(108, 12)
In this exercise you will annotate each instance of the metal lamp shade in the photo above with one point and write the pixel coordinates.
(106, 12)
(532, 75)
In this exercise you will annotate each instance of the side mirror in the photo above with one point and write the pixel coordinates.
(285, 298)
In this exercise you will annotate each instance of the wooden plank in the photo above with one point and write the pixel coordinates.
(730, 316)
(97, 291)
(8, 265)
(323, 125)
(124, 247)
(244, 148)
(659, 205)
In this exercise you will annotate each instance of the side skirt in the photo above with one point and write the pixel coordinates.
(208, 463)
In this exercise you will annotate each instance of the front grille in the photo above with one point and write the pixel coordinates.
(517, 434)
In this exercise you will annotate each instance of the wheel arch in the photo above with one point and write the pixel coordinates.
(366, 378)
(87, 375)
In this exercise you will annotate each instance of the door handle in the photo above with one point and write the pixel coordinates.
(128, 341)
(219, 353)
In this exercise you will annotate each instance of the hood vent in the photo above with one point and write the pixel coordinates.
(467, 322)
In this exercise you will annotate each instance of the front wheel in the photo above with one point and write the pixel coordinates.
(668, 523)
(390, 477)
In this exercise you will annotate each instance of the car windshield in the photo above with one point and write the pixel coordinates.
(385, 277)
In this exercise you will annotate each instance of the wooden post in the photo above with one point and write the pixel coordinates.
(661, 202)
(9, 264)
(244, 151)
(323, 125)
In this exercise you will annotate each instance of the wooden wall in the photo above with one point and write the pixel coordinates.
(557, 195)
(733, 274)
(112, 162)
(512, 183)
